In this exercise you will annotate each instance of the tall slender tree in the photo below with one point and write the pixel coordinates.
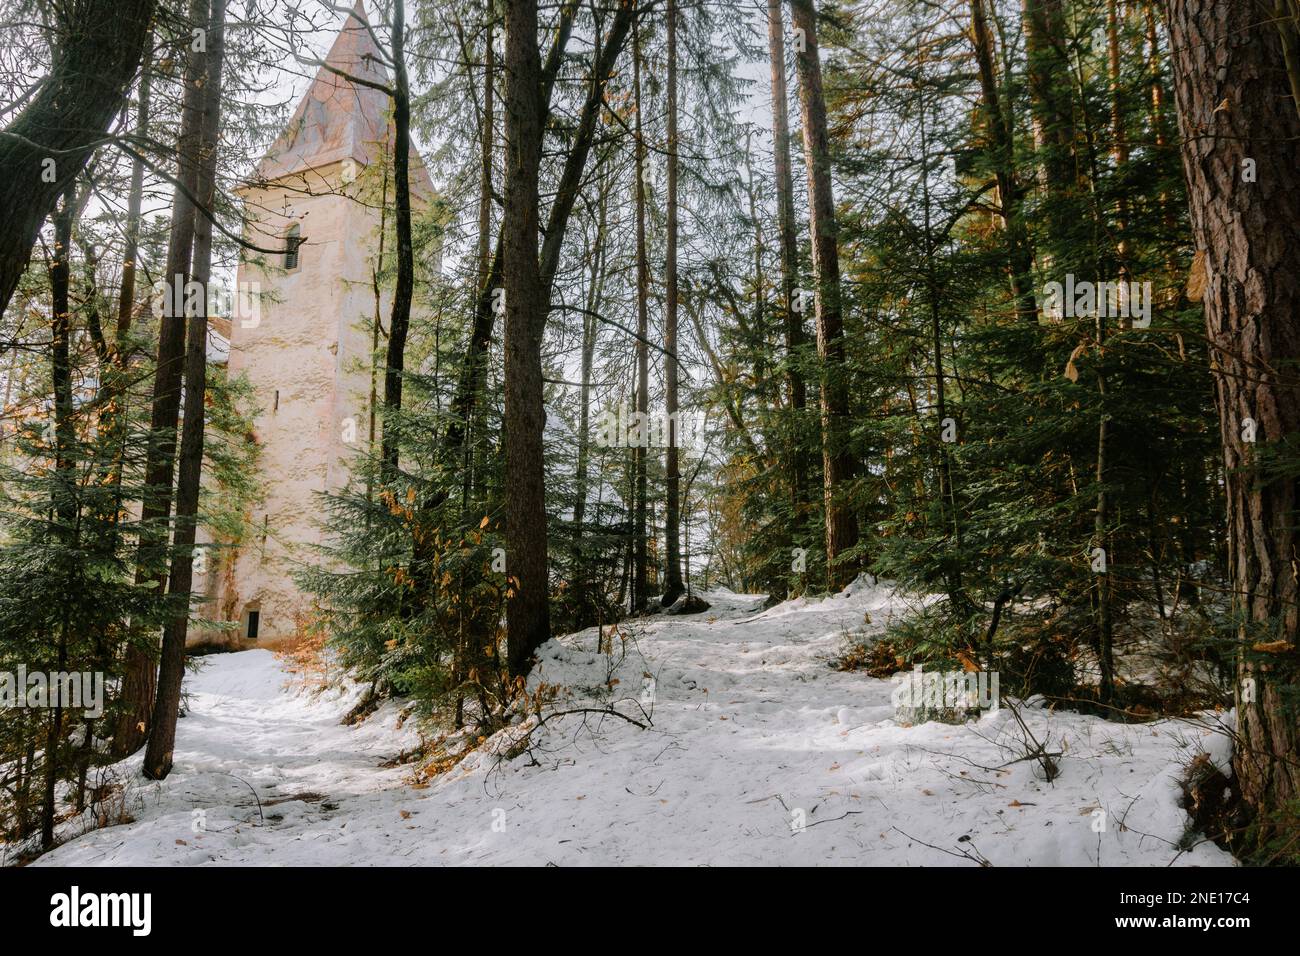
(527, 608)
(795, 333)
(141, 669)
(399, 321)
(673, 586)
(837, 459)
(171, 665)
(642, 405)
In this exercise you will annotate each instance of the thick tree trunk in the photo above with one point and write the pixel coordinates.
(673, 586)
(837, 462)
(140, 670)
(171, 665)
(100, 45)
(527, 610)
(470, 382)
(474, 368)
(1241, 154)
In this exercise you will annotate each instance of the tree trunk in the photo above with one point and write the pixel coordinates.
(100, 45)
(673, 586)
(114, 418)
(1020, 259)
(487, 134)
(795, 334)
(590, 331)
(486, 149)
(1048, 72)
(837, 462)
(400, 319)
(642, 409)
(65, 507)
(527, 609)
(950, 515)
(171, 666)
(1286, 14)
(1101, 534)
(1241, 155)
(140, 670)
(474, 368)
(1119, 149)
(135, 199)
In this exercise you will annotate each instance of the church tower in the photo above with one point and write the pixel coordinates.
(303, 335)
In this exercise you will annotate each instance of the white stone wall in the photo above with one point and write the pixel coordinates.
(308, 358)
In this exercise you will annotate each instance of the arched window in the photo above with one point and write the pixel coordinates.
(292, 240)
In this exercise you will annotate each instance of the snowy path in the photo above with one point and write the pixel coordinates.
(752, 732)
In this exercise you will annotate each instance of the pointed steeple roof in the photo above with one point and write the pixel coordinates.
(336, 119)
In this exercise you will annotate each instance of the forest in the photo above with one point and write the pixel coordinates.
(434, 413)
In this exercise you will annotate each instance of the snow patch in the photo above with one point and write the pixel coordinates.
(756, 752)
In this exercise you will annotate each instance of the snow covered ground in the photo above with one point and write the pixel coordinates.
(759, 753)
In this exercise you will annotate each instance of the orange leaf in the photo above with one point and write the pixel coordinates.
(1272, 647)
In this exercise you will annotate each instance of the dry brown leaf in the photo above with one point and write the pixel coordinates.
(1071, 372)
(1197, 279)
(1272, 647)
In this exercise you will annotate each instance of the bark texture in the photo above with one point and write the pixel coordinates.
(100, 45)
(1234, 105)
(527, 608)
(171, 664)
(139, 680)
(837, 462)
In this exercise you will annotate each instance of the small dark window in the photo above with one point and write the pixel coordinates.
(253, 620)
(292, 240)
